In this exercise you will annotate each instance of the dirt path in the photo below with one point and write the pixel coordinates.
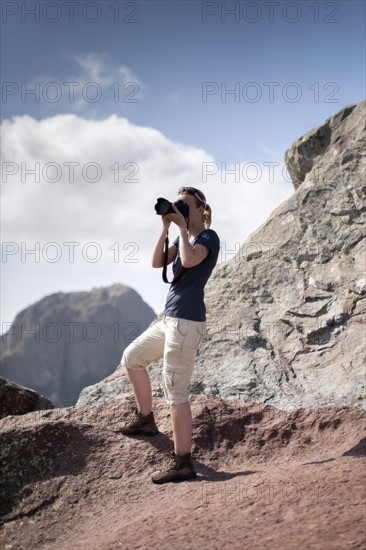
(267, 479)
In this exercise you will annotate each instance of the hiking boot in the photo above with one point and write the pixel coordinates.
(141, 424)
(180, 469)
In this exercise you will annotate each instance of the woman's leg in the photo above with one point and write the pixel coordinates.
(182, 427)
(181, 342)
(141, 385)
(148, 347)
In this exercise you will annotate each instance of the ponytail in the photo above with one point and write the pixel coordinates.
(207, 216)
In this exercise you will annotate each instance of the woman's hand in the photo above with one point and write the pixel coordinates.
(166, 222)
(176, 218)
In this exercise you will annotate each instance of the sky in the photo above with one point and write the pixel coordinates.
(108, 105)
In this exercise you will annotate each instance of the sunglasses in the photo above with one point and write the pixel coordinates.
(194, 192)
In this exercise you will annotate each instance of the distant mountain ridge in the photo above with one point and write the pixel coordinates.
(69, 340)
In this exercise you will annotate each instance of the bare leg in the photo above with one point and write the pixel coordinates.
(140, 381)
(182, 427)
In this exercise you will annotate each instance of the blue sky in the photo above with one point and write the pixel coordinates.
(292, 64)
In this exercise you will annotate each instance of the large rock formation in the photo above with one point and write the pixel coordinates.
(17, 400)
(286, 315)
(69, 340)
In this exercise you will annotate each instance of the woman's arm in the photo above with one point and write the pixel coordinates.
(158, 254)
(191, 255)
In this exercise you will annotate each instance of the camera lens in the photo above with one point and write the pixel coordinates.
(163, 207)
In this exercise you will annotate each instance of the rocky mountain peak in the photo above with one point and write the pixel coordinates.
(326, 147)
(68, 340)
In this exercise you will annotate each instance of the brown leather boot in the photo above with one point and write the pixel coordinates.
(140, 424)
(180, 468)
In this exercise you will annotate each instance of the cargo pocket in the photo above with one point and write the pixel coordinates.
(177, 377)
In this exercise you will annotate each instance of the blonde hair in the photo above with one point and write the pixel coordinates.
(207, 216)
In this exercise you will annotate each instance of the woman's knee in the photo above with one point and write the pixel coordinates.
(130, 359)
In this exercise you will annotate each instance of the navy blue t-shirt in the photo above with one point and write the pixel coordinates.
(186, 296)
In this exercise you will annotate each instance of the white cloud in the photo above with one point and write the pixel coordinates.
(106, 211)
(99, 68)
(83, 208)
(96, 78)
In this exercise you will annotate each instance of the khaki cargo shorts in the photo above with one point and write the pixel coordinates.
(176, 341)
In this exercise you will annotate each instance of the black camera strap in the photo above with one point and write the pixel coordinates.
(179, 274)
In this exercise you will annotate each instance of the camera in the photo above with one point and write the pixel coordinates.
(163, 207)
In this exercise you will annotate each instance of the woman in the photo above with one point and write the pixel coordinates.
(177, 335)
